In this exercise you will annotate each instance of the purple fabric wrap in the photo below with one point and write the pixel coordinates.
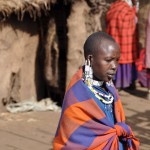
(144, 78)
(125, 75)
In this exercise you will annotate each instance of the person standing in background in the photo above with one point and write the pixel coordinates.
(121, 23)
(148, 51)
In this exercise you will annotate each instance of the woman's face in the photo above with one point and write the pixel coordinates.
(105, 62)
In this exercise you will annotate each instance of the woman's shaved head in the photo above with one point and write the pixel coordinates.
(96, 42)
(103, 53)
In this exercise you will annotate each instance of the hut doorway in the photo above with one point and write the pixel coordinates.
(51, 58)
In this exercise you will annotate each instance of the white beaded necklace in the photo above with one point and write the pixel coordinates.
(98, 94)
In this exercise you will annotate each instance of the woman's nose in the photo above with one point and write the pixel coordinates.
(114, 65)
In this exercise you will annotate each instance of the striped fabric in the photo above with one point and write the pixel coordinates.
(121, 25)
(84, 126)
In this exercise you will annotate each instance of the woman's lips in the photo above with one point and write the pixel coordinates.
(111, 75)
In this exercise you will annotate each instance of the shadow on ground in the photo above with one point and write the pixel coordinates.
(138, 93)
(140, 122)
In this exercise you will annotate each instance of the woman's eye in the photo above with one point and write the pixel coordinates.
(117, 59)
(108, 60)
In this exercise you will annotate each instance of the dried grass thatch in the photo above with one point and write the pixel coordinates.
(20, 7)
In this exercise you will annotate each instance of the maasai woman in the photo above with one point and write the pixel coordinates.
(121, 25)
(92, 116)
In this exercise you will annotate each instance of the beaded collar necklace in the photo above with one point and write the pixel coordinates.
(100, 95)
(94, 82)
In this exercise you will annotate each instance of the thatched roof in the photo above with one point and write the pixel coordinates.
(20, 7)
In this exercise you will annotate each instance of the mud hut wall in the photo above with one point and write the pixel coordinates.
(18, 46)
(76, 37)
(30, 46)
(142, 22)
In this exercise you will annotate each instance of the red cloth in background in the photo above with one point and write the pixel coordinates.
(140, 63)
(121, 25)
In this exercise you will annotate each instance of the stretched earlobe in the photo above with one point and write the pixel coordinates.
(88, 72)
(90, 59)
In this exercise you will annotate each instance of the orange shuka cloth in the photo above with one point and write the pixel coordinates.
(83, 125)
(121, 25)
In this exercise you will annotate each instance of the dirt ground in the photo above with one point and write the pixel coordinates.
(35, 130)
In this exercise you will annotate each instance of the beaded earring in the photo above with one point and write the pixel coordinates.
(88, 75)
(88, 70)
